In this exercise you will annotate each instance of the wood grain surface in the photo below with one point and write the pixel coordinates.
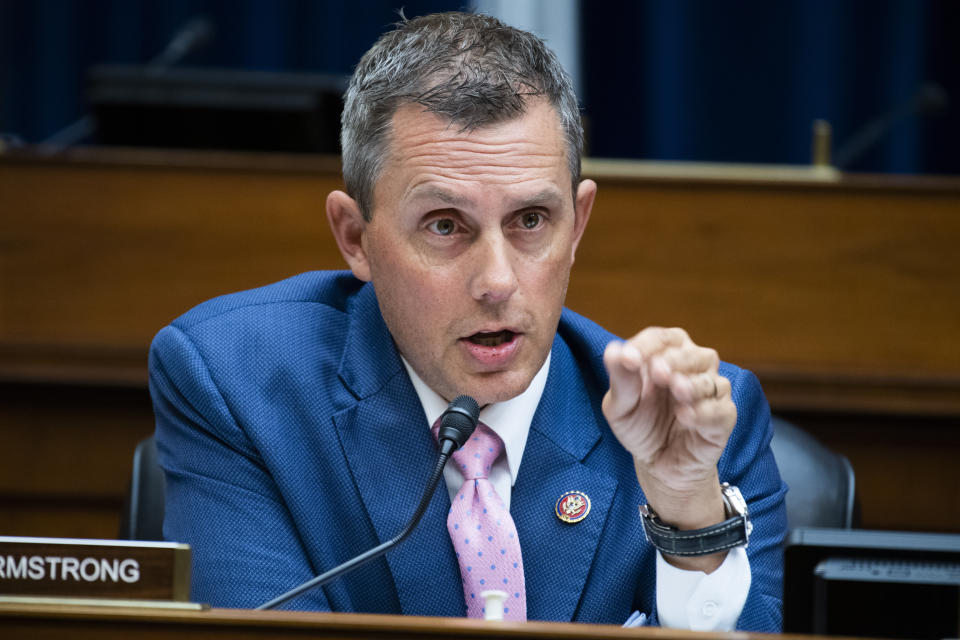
(81, 623)
(841, 292)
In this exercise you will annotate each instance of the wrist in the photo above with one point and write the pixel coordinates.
(703, 548)
(691, 504)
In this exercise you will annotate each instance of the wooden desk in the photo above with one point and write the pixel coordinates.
(81, 623)
(842, 294)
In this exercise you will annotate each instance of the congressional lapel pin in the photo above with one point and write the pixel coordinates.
(573, 506)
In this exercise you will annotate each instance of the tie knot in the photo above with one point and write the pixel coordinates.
(478, 453)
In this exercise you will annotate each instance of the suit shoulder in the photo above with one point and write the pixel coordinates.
(585, 337)
(744, 383)
(586, 341)
(331, 289)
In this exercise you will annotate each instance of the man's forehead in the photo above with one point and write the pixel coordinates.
(549, 196)
(525, 157)
(415, 132)
(414, 116)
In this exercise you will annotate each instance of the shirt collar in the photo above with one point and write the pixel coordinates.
(510, 420)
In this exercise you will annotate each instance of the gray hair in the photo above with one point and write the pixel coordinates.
(473, 69)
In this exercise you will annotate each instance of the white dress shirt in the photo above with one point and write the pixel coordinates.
(685, 599)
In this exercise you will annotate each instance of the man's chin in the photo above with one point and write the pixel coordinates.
(493, 388)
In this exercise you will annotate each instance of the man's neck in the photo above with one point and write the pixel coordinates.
(510, 419)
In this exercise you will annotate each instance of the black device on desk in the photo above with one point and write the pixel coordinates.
(872, 583)
(191, 108)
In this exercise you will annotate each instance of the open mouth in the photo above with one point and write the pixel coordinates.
(493, 339)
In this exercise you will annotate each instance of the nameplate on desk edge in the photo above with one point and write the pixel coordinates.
(120, 570)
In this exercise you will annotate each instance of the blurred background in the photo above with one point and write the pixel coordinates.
(658, 79)
(157, 153)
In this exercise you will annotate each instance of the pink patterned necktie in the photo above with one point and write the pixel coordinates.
(483, 533)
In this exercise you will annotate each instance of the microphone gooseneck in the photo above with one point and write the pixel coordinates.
(190, 37)
(457, 422)
(929, 99)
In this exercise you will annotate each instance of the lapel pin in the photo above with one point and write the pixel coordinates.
(573, 506)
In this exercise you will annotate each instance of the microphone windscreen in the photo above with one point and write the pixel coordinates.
(459, 420)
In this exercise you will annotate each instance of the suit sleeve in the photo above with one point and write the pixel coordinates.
(220, 498)
(748, 463)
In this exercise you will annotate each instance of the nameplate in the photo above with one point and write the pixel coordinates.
(119, 569)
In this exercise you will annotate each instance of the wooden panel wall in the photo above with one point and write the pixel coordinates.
(841, 295)
(98, 255)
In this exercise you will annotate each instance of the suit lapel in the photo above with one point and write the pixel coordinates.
(390, 453)
(558, 556)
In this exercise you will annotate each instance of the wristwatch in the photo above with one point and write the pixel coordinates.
(732, 532)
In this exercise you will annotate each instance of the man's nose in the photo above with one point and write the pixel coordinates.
(495, 278)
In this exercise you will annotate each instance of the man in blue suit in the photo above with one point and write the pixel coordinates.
(293, 421)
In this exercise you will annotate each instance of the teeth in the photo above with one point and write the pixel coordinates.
(490, 339)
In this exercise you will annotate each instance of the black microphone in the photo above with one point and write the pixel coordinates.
(929, 99)
(190, 37)
(457, 422)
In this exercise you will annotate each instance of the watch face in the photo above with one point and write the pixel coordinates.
(734, 500)
(735, 503)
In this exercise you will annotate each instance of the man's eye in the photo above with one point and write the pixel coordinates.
(443, 226)
(531, 220)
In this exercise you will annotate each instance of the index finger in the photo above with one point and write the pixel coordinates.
(626, 381)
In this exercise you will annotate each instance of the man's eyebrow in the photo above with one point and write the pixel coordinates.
(546, 198)
(549, 197)
(438, 193)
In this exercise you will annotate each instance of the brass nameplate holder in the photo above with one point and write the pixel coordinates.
(116, 572)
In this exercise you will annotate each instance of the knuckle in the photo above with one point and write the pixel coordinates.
(712, 356)
(647, 333)
(609, 353)
(674, 356)
(724, 385)
(708, 384)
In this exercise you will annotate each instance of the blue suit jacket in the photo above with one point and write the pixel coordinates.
(292, 440)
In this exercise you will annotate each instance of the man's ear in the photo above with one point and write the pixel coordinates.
(347, 223)
(583, 205)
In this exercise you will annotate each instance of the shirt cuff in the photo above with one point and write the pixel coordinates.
(700, 601)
